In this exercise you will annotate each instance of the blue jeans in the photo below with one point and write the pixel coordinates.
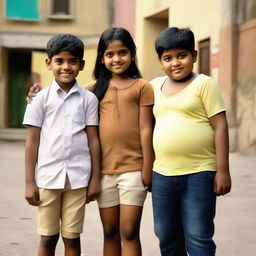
(184, 210)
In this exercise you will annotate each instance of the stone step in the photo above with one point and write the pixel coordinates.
(14, 134)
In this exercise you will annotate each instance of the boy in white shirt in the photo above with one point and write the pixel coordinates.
(62, 149)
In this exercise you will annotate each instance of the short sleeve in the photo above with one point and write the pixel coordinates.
(34, 114)
(212, 99)
(158, 81)
(92, 114)
(147, 95)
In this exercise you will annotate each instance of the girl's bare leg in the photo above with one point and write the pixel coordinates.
(130, 217)
(110, 221)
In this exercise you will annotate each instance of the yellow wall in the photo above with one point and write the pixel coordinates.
(90, 57)
(201, 16)
(89, 17)
(39, 67)
(87, 20)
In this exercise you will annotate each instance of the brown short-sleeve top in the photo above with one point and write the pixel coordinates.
(119, 126)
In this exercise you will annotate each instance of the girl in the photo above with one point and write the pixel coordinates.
(125, 130)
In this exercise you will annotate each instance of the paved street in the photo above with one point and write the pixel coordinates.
(235, 221)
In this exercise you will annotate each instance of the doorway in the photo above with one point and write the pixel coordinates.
(19, 69)
(153, 26)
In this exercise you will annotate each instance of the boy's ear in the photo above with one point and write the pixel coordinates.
(48, 63)
(82, 65)
(194, 56)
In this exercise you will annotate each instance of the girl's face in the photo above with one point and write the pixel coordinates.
(117, 58)
(177, 63)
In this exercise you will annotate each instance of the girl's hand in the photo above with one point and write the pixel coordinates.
(94, 189)
(34, 89)
(147, 179)
(32, 194)
(222, 184)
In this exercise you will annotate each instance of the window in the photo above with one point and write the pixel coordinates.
(61, 9)
(204, 57)
(27, 10)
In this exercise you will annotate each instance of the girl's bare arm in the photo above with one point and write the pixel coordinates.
(146, 132)
(94, 187)
(33, 90)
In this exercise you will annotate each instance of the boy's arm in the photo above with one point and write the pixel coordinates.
(94, 187)
(32, 143)
(222, 179)
(146, 132)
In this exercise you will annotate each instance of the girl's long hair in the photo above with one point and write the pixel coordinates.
(101, 74)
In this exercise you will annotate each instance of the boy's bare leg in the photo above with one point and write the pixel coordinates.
(47, 245)
(110, 221)
(130, 217)
(72, 246)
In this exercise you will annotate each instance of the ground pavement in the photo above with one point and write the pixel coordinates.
(235, 220)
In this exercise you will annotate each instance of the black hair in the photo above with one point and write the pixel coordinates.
(65, 42)
(101, 73)
(173, 37)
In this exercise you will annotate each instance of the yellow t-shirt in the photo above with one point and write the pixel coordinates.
(183, 138)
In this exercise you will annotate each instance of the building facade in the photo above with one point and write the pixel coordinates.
(124, 15)
(25, 28)
(225, 34)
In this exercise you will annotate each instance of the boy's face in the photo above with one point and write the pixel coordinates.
(177, 63)
(65, 68)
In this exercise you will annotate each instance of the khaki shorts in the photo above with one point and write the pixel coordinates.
(61, 205)
(125, 188)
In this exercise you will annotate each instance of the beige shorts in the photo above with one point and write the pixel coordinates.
(125, 188)
(63, 206)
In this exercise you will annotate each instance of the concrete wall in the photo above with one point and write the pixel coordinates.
(153, 17)
(89, 17)
(231, 27)
(124, 15)
(228, 63)
(237, 76)
(246, 89)
(88, 20)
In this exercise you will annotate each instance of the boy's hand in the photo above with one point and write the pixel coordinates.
(146, 179)
(32, 194)
(222, 184)
(34, 89)
(94, 189)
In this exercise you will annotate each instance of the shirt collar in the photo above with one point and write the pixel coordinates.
(57, 88)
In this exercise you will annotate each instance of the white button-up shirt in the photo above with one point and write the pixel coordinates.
(63, 149)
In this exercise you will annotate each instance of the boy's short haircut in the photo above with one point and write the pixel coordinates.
(172, 38)
(65, 42)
